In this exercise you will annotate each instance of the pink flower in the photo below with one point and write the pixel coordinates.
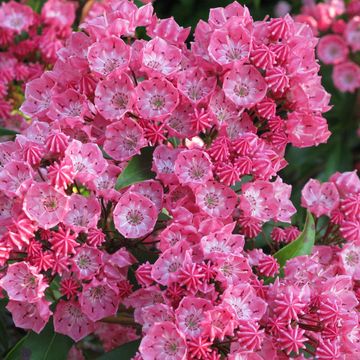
(222, 241)
(165, 269)
(45, 205)
(216, 199)
(60, 13)
(282, 193)
(87, 262)
(68, 107)
(161, 57)
(15, 178)
(87, 160)
(190, 314)
(108, 55)
(320, 199)
(61, 175)
(152, 190)
(327, 350)
(195, 85)
(231, 269)
(30, 316)
(168, 30)
(292, 340)
(163, 338)
(164, 163)
(114, 96)
(83, 214)
(244, 303)
(249, 336)
(346, 76)
(352, 33)
(332, 49)
(38, 95)
(63, 242)
(244, 86)
(347, 182)
(221, 107)
(305, 129)
(193, 167)
(23, 283)
(258, 201)
(230, 44)
(134, 215)
(156, 98)
(218, 322)
(98, 300)
(263, 57)
(124, 139)
(277, 80)
(16, 17)
(350, 260)
(179, 123)
(71, 321)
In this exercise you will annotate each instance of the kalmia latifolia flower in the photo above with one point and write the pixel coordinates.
(338, 46)
(135, 196)
(28, 44)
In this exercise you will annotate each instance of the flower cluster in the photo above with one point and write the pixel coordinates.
(339, 201)
(149, 168)
(337, 23)
(28, 44)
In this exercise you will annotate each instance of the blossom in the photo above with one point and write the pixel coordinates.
(84, 213)
(216, 199)
(134, 215)
(124, 139)
(114, 96)
(70, 320)
(193, 167)
(163, 338)
(156, 98)
(98, 300)
(332, 49)
(45, 205)
(87, 261)
(346, 76)
(161, 57)
(23, 283)
(30, 316)
(320, 198)
(244, 86)
(109, 55)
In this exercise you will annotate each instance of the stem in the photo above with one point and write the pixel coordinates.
(121, 319)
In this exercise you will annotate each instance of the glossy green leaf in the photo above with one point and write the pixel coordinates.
(7, 132)
(138, 169)
(301, 246)
(47, 345)
(124, 352)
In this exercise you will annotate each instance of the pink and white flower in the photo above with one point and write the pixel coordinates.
(45, 205)
(134, 215)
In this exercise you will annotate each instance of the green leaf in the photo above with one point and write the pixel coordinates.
(47, 345)
(124, 352)
(138, 169)
(36, 5)
(7, 132)
(164, 215)
(301, 246)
